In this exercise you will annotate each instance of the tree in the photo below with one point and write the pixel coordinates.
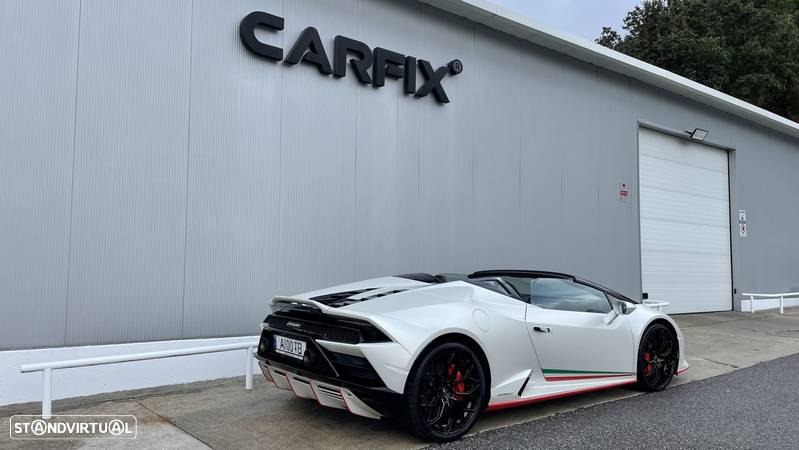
(746, 48)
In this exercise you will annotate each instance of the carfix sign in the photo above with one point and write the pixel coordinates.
(383, 63)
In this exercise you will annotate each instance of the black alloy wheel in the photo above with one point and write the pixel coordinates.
(445, 393)
(657, 358)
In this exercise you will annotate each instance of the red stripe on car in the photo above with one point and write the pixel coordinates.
(527, 401)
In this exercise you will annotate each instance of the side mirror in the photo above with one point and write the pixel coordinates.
(619, 309)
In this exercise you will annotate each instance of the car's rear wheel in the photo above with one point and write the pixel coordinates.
(445, 393)
(657, 358)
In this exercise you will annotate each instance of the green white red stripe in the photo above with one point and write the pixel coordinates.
(541, 398)
(568, 375)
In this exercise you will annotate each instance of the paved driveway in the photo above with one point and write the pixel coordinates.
(754, 407)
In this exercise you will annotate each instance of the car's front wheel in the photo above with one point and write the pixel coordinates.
(657, 358)
(445, 393)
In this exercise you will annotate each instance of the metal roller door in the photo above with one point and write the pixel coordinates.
(685, 223)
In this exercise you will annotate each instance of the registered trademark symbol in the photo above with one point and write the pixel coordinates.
(455, 66)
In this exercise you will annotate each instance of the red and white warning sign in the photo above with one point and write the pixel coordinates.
(624, 192)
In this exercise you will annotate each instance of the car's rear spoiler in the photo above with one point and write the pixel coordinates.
(314, 304)
(295, 300)
(339, 312)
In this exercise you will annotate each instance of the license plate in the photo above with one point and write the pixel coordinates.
(289, 347)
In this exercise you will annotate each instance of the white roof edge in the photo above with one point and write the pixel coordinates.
(501, 19)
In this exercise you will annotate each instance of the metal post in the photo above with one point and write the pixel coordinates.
(47, 397)
(782, 301)
(751, 303)
(248, 375)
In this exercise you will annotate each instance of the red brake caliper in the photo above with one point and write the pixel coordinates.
(459, 385)
(648, 368)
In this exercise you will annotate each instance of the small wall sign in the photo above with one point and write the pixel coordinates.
(743, 228)
(624, 193)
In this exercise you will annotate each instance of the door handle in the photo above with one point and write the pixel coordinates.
(542, 329)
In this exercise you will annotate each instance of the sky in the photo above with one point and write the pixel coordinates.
(582, 18)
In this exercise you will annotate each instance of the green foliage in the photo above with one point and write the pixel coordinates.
(746, 48)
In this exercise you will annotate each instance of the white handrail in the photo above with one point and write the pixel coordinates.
(781, 297)
(47, 367)
(656, 304)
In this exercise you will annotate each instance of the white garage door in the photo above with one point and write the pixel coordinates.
(685, 223)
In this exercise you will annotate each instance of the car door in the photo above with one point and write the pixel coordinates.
(566, 322)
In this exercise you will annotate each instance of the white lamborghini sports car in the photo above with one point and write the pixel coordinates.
(438, 350)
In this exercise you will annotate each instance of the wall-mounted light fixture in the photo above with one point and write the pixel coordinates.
(698, 134)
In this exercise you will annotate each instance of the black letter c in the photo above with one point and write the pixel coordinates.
(247, 34)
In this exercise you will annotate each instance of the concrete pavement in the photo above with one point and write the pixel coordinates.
(221, 414)
(728, 411)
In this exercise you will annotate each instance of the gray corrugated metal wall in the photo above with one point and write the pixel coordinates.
(129, 175)
(37, 110)
(157, 181)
